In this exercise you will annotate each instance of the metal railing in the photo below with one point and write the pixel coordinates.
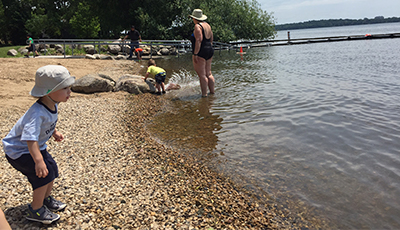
(73, 43)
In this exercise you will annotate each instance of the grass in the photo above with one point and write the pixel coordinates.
(5, 49)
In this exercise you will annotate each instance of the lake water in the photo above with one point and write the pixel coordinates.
(313, 125)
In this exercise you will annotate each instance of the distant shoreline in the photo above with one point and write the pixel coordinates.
(335, 22)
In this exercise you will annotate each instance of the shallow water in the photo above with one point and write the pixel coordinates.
(315, 124)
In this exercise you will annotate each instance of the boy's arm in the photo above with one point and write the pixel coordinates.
(40, 166)
(57, 136)
(147, 75)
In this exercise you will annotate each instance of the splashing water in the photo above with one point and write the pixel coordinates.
(190, 85)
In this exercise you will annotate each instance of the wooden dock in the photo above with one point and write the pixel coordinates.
(299, 41)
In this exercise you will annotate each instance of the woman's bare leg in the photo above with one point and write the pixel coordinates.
(3, 221)
(200, 68)
(210, 77)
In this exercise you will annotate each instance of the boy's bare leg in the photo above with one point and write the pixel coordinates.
(163, 86)
(49, 188)
(38, 196)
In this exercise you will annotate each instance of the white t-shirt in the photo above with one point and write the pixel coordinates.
(37, 124)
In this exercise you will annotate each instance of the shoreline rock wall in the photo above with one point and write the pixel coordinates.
(117, 48)
(133, 84)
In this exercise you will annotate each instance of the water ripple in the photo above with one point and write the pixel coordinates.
(313, 124)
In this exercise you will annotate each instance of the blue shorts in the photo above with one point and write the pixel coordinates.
(160, 77)
(26, 166)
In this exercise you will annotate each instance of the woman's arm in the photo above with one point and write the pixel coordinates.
(198, 35)
(212, 35)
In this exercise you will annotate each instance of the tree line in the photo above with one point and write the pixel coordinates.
(155, 19)
(335, 22)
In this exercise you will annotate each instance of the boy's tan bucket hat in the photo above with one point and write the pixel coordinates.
(51, 78)
(198, 14)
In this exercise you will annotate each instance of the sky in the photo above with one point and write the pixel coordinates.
(289, 11)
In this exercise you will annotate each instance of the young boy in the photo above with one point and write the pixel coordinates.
(25, 145)
(159, 75)
(31, 47)
(139, 53)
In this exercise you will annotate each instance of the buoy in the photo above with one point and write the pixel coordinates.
(241, 51)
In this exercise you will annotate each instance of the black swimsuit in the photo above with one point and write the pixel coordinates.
(206, 49)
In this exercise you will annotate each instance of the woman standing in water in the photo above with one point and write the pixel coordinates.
(203, 51)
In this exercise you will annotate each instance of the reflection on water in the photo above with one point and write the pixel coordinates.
(188, 124)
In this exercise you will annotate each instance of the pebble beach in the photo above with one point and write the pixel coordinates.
(114, 175)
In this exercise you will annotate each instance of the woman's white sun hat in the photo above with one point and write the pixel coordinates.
(198, 15)
(51, 78)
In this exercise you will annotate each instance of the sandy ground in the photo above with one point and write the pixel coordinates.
(17, 76)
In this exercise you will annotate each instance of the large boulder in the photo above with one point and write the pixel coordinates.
(43, 46)
(93, 83)
(23, 48)
(106, 57)
(134, 84)
(103, 48)
(126, 48)
(120, 57)
(89, 56)
(89, 49)
(59, 48)
(12, 52)
(164, 51)
(173, 51)
(114, 49)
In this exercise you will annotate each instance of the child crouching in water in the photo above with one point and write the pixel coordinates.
(159, 75)
(25, 145)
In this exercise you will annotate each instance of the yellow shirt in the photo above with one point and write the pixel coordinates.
(154, 70)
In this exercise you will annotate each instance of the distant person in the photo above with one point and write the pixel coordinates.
(25, 145)
(4, 225)
(159, 74)
(139, 53)
(135, 37)
(31, 47)
(203, 51)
